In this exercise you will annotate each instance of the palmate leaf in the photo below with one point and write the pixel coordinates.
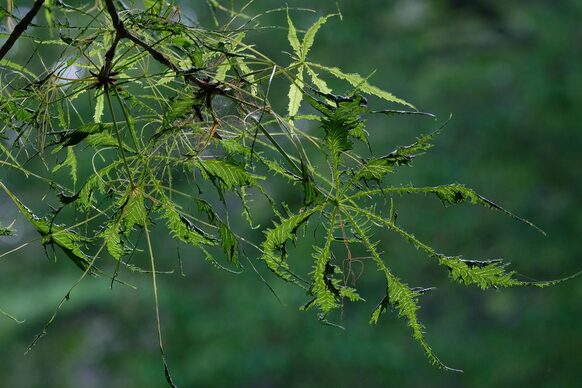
(300, 51)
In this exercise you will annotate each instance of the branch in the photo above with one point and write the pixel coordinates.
(20, 28)
(157, 55)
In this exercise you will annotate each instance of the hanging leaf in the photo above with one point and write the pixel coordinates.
(71, 162)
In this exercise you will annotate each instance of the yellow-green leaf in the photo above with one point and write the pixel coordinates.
(292, 37)
(296, 93)
(309, 37)
(362, 84)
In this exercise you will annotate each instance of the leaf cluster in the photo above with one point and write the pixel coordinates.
(180, 123)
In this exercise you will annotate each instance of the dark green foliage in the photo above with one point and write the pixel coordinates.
(178, 109)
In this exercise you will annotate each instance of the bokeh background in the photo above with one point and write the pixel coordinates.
(510, 73)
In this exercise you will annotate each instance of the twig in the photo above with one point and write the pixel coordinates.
(20, 28)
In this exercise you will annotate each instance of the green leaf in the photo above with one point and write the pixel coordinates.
(374, 170)
(404, 155)
(275, 240)
(488, 273)
(340, 122)
(296, 93)
(182, 228)
(321, 84)
(71, 162)
(324, 289)
(292, 37)
(113, 238)
(361, 83)
(456, 193)
(225, 175)
(69, 241)
(133, 208)
(99, 105)
(7, 230)
(96, 182)
(229, 244)
(309, 37)
(15, 66)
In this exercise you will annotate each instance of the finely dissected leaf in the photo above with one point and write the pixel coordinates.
(404, 155)
(398, 294)
(99, 105)
(196, 105)
(376, 169)
(181, 227)
(224, 174)
(484, 274)
(340, 122)
(275, 240)
(70, 242)
(94, 134)
(71, 162)
(361, 84)
(133, 207)
(324, 290)
(6, 230)
(229, 243)
(456, 193)
(488, 273)
(112, 235)
(96, 183)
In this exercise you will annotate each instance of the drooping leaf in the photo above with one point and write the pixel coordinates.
(112, 235)
(71, 162)
(275, 240)
(69, 241)
(181, 227)
(488, 273)
(229, 243)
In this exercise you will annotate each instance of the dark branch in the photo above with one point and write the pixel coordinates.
(20, 28)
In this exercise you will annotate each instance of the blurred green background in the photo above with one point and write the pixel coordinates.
(510, 73)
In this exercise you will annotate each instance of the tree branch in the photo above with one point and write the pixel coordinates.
(20, 28)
